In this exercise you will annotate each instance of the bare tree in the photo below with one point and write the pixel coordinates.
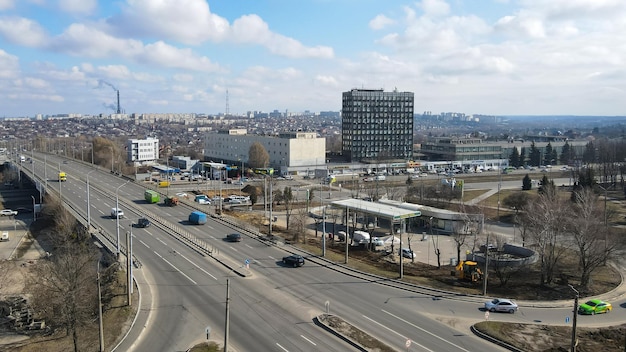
(299, 224)
(287, 197)
(258, 156)
(545, 219)
(586, 228)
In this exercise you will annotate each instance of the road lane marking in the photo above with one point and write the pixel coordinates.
(175, 268)
(145, 244)
(196, 265)
(283, 348)
(397, 333)
(272, 258)
(160, 240)
(233, 248)
(309, 341)
(211, 227)
(249, 246)
(426, 331)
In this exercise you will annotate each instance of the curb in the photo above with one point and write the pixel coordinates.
(494, 340)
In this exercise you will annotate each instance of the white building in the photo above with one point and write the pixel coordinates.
(142, 151)
(291, 152)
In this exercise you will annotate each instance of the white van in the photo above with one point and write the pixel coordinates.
(5, 236)
(117, 213)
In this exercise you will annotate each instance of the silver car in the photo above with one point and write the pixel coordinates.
(501, 305)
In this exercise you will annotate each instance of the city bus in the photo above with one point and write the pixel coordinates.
(151, 196)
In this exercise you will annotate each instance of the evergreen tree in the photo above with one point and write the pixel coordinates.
(547, 156)
(522, 156)
(527, 183)
(534, 155)
(514, 158)
(589, 155)
(565, 154)
(547, 186)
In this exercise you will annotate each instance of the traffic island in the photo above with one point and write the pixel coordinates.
(351, 334)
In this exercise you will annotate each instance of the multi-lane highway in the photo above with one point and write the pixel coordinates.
(271, 309)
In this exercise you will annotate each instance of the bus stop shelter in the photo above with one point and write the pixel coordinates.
(395, 215)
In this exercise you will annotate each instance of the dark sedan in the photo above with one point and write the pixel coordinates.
(294, 260)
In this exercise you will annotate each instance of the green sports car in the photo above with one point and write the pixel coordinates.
(594, 306)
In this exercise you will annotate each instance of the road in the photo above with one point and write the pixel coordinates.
(272, 308)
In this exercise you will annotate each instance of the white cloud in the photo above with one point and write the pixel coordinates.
(326, 80)
(582, 9)
(191, 22)
(521, 26)
(115, 72)
(165, 55)
(81, 7)
(22, 31)
(380, 22)
(434, 8)
(9, 65)
(183, 77)
(6, 4)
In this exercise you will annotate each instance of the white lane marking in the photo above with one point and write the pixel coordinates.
(213, 237)
(397, 333)
(426, 331)
(144, 243)
(272, 258)
(233, 248)
(309, 341)
(196, 265)
(160, 240)
(175, 268)
(283, 348)
(247, 245)
(211, 227)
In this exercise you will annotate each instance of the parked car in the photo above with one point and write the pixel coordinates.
(294, 260)
(407, 253)
(142, 223)
(377, 241)
(595, 306)
(233, 237)
(501, 305)
(8, 212)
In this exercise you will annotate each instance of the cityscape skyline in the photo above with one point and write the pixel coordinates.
(497, 57)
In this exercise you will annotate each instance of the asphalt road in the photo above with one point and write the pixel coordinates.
(272, 309)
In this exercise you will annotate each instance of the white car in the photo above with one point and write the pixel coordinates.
(501, 305)
(407, 253)
(8, 212)
(377, 241)
(204, 201)
(117, 213)
(181, 195)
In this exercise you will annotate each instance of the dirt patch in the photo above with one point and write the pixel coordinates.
(543, 338)
(353, 333)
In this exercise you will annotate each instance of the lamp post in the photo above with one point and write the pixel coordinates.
(117, 220)
(100, 324)
(574, 342)
(34, 214)
(88, 203)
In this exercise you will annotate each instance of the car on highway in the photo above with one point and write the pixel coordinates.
(142, 223)
(233, 237)
(8, 212)
(501, 305)
(595, 306)
(117, 213)
(294, 260)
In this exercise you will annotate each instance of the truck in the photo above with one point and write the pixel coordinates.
(197, 218)
(151, 196)
(170, 201)
(163, 184)
(62, 176)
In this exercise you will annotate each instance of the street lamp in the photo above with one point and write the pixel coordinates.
(574, 342)
(88, 203)
(34, 214)
(117, 220)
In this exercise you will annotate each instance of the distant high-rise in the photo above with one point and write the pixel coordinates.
(377, 125)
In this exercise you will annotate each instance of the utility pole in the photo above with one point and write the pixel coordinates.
(486, 274)
(100, 325)
(347, 233)
(227, 318)
(574, 342)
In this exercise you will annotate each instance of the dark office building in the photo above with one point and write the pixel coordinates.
(377, 125)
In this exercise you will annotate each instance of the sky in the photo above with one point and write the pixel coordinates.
(493, 57)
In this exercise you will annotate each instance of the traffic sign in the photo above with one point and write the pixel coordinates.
(208, 332)
(487, 315)
(408, 343)
(566, 320)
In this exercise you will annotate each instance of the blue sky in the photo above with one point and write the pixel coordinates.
(502, 57)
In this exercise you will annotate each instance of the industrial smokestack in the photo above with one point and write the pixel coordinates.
(119, 111)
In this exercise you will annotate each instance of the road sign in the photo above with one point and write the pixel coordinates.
(566, 320)
(408, 343)
(208, 332)
(327, 305)
(247, 262)
(487, 315)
